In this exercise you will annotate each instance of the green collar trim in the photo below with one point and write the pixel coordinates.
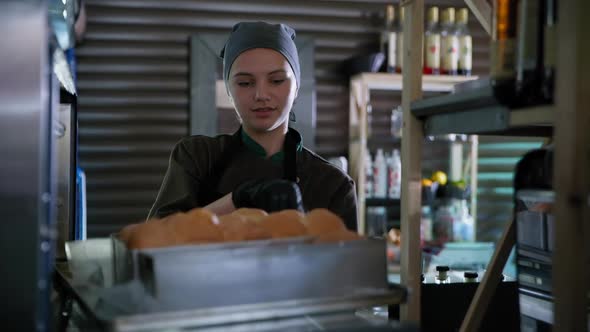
(253, 146)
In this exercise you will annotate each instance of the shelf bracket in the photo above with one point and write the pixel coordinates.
(483, 12)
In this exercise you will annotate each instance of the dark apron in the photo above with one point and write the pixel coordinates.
(234, 146)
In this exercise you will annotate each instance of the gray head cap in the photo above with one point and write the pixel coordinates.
(249, 35)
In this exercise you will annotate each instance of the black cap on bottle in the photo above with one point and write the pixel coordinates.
(442, 268)
(470, 274)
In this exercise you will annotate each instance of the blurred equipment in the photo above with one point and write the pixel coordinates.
(535, 225)
(27, 172)
(38, 175)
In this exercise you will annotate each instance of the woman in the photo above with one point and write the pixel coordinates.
(264, 164)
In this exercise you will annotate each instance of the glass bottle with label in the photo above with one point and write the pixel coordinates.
(529, 51)
(389, 40)
(549, 49)
(504, 38)
(432, 43)
(394, 175)
(465, 43)
(400, 41)
(449, 54)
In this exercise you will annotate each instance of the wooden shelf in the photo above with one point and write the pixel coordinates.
(393, 82)
(484, 116)
(361, 86)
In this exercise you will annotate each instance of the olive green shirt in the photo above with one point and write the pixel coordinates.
(186, 186)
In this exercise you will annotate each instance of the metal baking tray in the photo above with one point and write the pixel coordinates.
(125, 266)
(228, 283)
(222, 275)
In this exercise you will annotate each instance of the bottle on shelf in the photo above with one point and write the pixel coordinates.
(463, 223)
(470, 276)
(397, 116)
(376, 221)
(442, 224)
(380, 175)
(449, 55)
(395, 175)
(389, 40)
(549, 49)
(442, 275)
(432, 43)
(465, 43)
(369, 180)
(529, 52)
(400, 41)
(426, 224)
(503, 48)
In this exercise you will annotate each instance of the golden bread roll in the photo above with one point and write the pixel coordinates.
(201, 213)
(254, 231)
(126, 232)
(238, 228)
(337, 236)
(251, 214)
(284, 223)
(196, 226)
(153, 234)
(321, 221)
(233, 227)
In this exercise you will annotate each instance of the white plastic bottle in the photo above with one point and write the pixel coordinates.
(369, 178)
(380, 175)
(395, 176)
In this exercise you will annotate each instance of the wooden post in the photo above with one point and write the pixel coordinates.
(487, 287)
(571, 177)
(473, 180)
(411, 260)
(357, 144)
(483, 12)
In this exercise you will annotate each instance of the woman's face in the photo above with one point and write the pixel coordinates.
(262, 86)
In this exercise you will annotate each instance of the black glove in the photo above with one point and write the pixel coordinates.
(269, 195)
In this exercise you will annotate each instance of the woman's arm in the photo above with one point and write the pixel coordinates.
(180, 189)
(222, 206)
(344, 204)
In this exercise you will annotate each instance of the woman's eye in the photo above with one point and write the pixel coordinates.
(244, 84)
(278, 81)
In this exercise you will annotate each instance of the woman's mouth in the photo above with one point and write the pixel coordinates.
(263, 112)
(263, 109)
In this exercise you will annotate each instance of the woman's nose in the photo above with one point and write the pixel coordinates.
(262, 92)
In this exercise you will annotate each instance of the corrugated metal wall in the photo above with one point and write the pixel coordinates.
(133, 84)
(496, 163)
